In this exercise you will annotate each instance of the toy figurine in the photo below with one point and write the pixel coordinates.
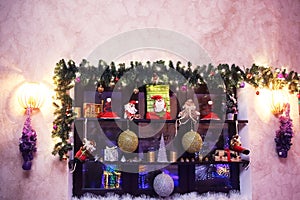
(130, 110)
(236, 145)
(83, 153)
(206, 109)
(189, 111)
(107, 111)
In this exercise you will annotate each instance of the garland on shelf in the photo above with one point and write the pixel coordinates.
(64, 75)
(224, 77)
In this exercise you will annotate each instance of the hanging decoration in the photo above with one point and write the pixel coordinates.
(188, 112)
(64, 76)
(284, 134)
(192, 141)
(232, 77)
(128, 141)
(27, 144)
(163, 185)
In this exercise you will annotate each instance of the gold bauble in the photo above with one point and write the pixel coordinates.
(128, 141)
(192, 142)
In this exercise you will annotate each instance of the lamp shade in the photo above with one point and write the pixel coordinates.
(279, 101)
(31, 95)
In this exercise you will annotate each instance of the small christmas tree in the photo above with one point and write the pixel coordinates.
(162, 154)
(27, 144)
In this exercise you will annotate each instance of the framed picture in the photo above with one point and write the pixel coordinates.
(157, 102)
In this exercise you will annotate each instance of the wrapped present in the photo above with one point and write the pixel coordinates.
(91, 110)
(227, 155)
(111, 154)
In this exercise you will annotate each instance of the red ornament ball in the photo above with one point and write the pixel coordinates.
(257, 92)
(249, 76)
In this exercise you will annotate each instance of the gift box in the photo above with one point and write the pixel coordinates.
(227, 156)
(111, 154)
(91, 110)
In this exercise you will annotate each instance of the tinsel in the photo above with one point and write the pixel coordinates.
(188, 196)
(27, 143)
(284, 134)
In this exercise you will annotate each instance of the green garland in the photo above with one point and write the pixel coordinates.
(108, 75)
(64, 74)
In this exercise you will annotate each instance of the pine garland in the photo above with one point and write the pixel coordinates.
(64, 75)
(108, 75)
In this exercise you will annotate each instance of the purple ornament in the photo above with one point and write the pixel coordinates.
(26, 165)
(283, 138)
(77, 79)
(242, 84)
(54, 126)
(27, 143)
(184, 88)
(280, 75)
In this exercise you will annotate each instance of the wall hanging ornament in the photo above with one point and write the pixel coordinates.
(163, 185)
(128, 141)
(285, 133)
(27, 143)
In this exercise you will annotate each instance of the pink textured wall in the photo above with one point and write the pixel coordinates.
(34, 35)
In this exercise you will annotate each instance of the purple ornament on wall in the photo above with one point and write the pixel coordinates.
(26, 165)
(242, 84)
(27, 143)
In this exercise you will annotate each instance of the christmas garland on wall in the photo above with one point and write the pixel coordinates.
(232, 77)
(64, 75)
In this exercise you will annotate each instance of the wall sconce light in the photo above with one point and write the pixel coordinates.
(279, 101)
(31, 95)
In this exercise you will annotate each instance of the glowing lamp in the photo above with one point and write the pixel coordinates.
(278, 101)
(31, 95)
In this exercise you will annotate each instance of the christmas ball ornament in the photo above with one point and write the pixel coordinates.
(257, 93)
(192, 142)
(128, 141)
(249, 76)
(26, 165)
(184, 88)
(242, 84)
(163, 185)
(77, 79)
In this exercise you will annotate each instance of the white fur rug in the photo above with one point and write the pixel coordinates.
(189, 196)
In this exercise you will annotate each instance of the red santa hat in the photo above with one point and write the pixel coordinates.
(156, 97)
(133, 102)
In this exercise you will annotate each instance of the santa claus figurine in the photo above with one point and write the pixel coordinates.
(206, 112)
(83, 153)
(107, 111)
(159, 109)
(131, 111)
(236, 145)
